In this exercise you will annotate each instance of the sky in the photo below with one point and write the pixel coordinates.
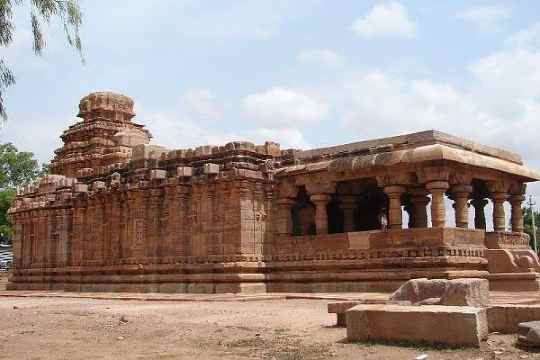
(304, 73)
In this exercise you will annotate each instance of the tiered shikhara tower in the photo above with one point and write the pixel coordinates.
(118, 214)
(101, 142)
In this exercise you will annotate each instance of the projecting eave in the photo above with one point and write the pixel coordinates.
(414, 156)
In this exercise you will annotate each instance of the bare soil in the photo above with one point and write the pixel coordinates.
(45, 328)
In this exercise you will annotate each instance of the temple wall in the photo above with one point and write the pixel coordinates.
(149, 224)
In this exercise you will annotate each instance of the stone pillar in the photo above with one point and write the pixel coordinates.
(438, 210)
(461, 193)
(395, 217)
(498, 211)
(321, 216)
(285, 223)
(479, 215)
(419, 199)
(348, 205)
(517, 213)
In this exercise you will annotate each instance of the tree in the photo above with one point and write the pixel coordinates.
(41, 11)
(527, 221)
(17, 168)
(6, 199)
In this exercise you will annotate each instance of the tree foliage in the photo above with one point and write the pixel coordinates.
(17, 168)
(527, 221)
(41, 11)
(6, 199)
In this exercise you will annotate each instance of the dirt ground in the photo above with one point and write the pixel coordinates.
(44, 328)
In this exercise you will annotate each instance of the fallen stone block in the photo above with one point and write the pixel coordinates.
(416, 290)
(529, 334)
(466, 292)
(454, 326)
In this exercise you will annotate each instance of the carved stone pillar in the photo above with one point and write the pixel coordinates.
(285, 223)
(438, 209)
(479, 215)
(348, 205)
(461, 193)
(321, 216)
(395, 217)
(498, 211)
(517, 213)
(419, 199)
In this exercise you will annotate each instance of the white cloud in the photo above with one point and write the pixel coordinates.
(283, 106)
(526, 39)
(322, 57)
(380, 104)
(389, 19)
(485, 17)
(175, 130)
(201, 103)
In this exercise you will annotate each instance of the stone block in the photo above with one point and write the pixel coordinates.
(416, 290)
(184, 171)
(272, 148)
(466, 292)
(98, 185)
(131, 137)
(80, 188)
(148, 152)
(454, 326)
(506, 318)
(158, 174)
(339, 309)
(529, 334)
(66, 196)
(203, 150)
(211, 169)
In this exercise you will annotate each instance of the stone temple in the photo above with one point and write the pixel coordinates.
(119, 214)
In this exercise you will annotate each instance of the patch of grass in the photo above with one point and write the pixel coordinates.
(285, 348)
(280, 347)
(246, 342)
(420, 346)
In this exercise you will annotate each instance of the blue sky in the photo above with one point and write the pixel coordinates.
(305, 73)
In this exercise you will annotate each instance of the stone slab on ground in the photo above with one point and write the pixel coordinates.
(505, 318)
(455, 326)
(529, 334)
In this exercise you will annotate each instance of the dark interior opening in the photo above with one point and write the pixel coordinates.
(303, 214)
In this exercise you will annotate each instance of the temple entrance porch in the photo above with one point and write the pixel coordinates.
(398, 226)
